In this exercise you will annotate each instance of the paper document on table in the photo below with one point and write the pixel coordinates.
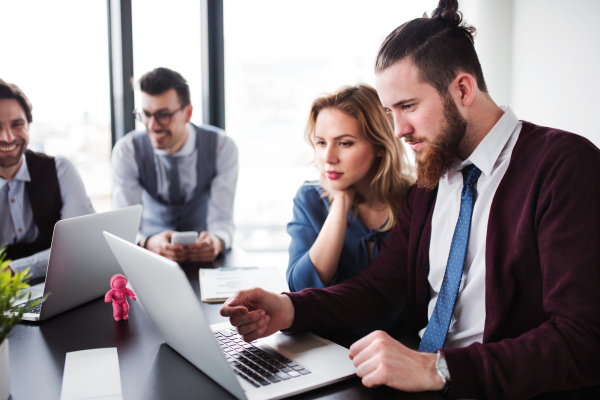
(218, 284)
(92, 374)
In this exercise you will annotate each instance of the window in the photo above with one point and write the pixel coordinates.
(279, 56)
(168, 35)
(61, 63)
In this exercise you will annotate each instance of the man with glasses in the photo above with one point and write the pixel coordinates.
(184, 175)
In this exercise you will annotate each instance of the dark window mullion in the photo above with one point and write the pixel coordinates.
(120, 48)
(213, 63)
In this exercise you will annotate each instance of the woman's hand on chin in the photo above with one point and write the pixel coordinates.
(346, 196)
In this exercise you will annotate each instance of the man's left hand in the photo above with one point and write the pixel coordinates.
(381, 360)
(206, 248)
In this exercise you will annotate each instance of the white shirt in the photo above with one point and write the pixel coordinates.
(128, 191)
(16, 217)
(492, 157)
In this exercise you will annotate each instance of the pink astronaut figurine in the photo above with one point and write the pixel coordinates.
(118, 295)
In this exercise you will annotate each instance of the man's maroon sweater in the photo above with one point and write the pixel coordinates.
(542, 326)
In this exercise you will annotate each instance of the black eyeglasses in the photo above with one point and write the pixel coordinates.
(162, 118)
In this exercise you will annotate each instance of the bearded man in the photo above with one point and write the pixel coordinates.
(36, 190)
(495, 251)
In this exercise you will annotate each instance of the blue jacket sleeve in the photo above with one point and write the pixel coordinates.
(308, 219)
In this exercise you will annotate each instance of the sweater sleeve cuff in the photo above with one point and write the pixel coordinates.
(466, 372)
(301, 318)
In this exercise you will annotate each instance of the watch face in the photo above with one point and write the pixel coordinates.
(442, 367)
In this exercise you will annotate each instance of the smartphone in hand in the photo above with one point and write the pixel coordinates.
(184, 238)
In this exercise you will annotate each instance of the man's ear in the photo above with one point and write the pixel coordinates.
(188, 112)
(463, 88)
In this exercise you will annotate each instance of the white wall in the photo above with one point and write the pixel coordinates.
(493, 20)
(542, 58)
(556, 59)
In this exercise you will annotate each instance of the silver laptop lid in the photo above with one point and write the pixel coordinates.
(81, 263)
(160, 286)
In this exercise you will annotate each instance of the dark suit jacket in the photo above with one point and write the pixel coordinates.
(542, 327)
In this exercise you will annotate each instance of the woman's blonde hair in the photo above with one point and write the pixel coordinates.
(395, 174)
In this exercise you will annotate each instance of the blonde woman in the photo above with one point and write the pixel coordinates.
(341, 221)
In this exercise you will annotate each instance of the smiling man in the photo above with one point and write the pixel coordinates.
(36, 190)
(184, 175)
(495, 251)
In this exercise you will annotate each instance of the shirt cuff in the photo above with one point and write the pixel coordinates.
(37, 264)
(19, 265)
(225, 238)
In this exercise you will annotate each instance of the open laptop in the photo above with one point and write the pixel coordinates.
(269, 368)
(81, 263)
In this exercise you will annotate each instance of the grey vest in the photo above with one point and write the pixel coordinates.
(158, 215)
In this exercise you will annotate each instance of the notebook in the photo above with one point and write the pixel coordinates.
(219, 284)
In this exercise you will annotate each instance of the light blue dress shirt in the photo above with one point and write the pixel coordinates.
(16, 216)
(128, 191)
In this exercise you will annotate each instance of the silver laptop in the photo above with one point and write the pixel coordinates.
(269, 368)
(81, 263)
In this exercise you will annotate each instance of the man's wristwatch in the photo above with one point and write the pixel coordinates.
(222, 245)
(442, 369)
(143, 243)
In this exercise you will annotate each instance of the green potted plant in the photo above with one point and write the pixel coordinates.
(11, 287)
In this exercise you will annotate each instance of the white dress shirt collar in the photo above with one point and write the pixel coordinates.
(188, 147)
(21, 175)
(487, 152)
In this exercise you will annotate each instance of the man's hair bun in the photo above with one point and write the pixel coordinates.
(440, 47)
(448, 11)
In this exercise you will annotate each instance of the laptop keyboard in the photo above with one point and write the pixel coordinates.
(35, 310)
(256, 363)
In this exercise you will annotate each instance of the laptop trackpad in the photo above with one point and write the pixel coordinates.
(297, 343)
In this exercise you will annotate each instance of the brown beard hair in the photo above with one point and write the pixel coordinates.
(11, 162)
(436, 161)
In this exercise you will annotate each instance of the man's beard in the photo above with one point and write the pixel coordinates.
(438, 157)
(7, 162)
(167, 142)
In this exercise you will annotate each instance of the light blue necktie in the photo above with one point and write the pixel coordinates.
(437, 329)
